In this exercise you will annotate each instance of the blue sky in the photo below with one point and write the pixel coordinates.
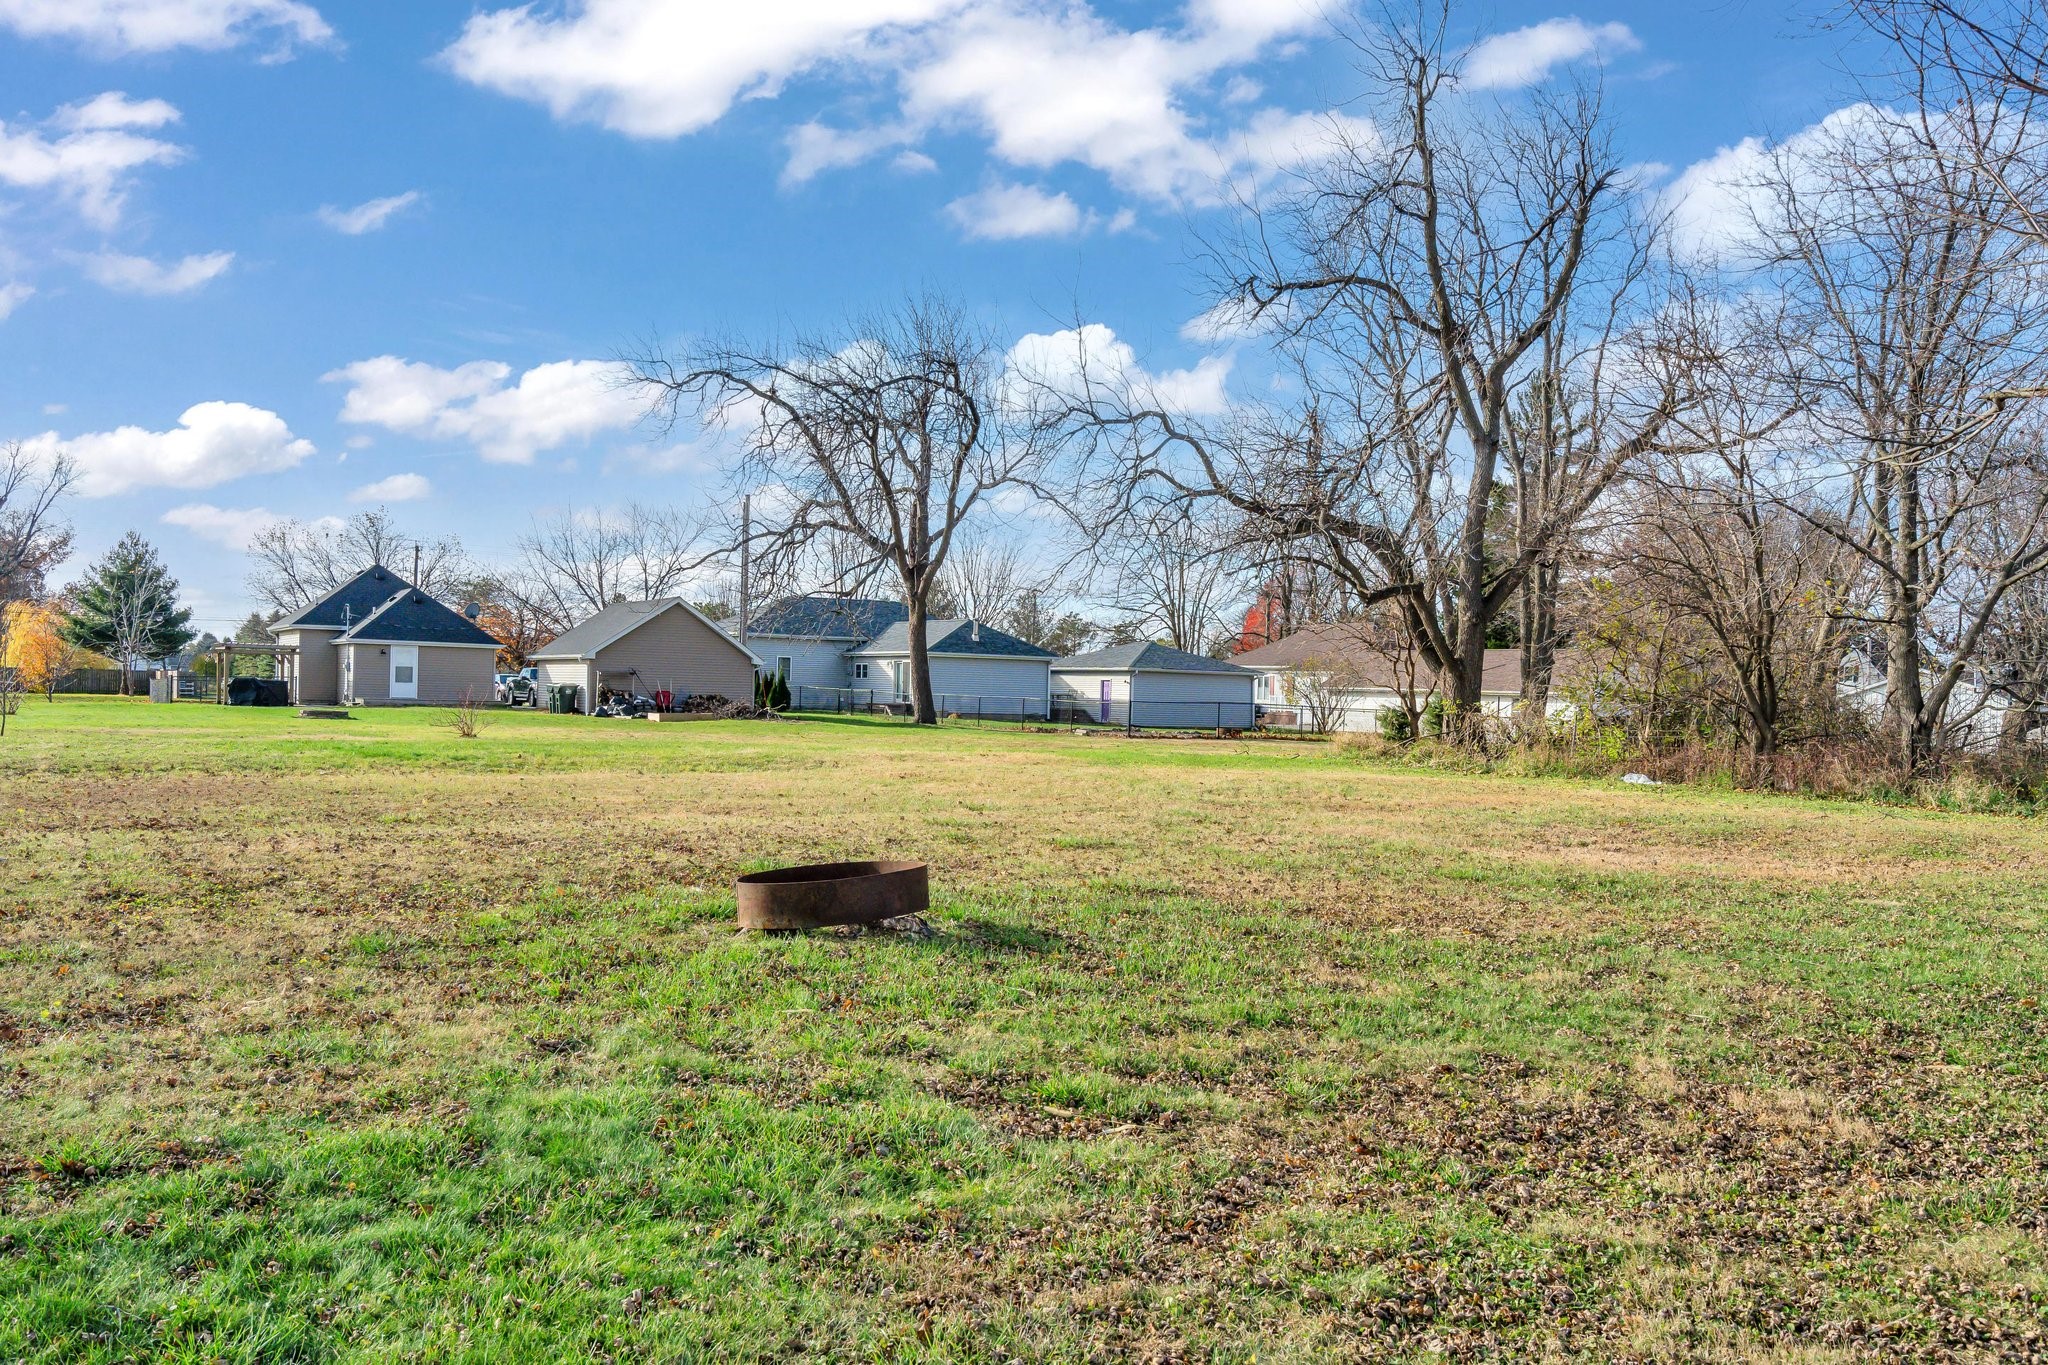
(264, 258)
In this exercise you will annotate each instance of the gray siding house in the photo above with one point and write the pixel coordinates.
(663, 645)
(377, 640)
(1148, 685)
(806, 639)
(835, 650)
(976, 669)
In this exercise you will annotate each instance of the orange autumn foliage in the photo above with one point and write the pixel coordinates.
(35, 647)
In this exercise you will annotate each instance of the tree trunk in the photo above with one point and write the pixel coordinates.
(1539, 645)
(923, 709)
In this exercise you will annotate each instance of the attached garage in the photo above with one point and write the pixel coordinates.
(1153, 686)
(646, 648)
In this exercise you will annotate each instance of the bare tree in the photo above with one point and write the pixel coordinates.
(1713, 537)
(1921, 321)
(1415, 277)
(1982, 66)
(889, 434)
(983, 579)
(1171, 576)
(32, 539)
(575, 563)
(296, 563)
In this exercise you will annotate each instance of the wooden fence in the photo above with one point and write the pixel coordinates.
(103, 682)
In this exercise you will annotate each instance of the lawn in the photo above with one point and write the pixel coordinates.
(335, 1041)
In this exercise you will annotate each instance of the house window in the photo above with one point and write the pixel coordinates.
(402, 674)
(782, 666)
(860, 670)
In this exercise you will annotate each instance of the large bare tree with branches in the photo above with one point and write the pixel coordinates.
(1421, 279)
(579, 561)
(296, 563)
(1920, 319)
(889, 434)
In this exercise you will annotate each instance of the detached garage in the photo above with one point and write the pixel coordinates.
(646, 648)
(1147, 686)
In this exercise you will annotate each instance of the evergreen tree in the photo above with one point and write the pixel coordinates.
(255, 631)
(127, 607)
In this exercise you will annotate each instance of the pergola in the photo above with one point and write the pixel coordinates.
(285, 656)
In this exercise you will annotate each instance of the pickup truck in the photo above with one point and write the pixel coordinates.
(519, 689)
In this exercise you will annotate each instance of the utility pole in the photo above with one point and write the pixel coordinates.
(746, 557)
(415, 565)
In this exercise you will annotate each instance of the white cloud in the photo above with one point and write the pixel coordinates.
(1717, 203)
(1045, 84)
(1068, 360)
(87, 165)
(12, 296)
(651, 68)
(1007, 212)
(814, 147)
(234, 528)
(396, 488)
(115, 110)
(1510, 60)
(367, 217)
(129, 26)
(212, 443)
(549, 406)
(913, 163)
(1230, 320)
(140, 275)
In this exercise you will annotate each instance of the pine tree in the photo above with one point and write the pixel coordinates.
(127, 607)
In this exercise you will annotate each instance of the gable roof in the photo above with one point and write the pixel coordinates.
(410, 617)
(584, 639)
(1148, 656)
(1350, 643)
(823, 616)
(957, 636)
(349, 603)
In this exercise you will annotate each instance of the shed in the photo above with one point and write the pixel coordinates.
(378, 640)
(412, 649)
(662, 645)
(977, 670)
(1148, 685)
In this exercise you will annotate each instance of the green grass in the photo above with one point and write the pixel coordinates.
(332, 1041)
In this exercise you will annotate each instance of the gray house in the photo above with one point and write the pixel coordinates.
(377, 640)
(806, 639)
(646, 648)
(1154, 685)
(976, 669)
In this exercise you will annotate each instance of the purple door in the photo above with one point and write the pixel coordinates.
(1105, 701)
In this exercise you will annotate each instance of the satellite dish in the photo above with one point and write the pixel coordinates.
(473, 610)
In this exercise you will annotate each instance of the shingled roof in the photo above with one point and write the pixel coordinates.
(1146, 656)
(821, 616)
(349, 603)
(584, 639)
(1350, 643)
(957, 636)
(410, 617)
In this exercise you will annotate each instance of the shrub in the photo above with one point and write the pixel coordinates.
(1395, 727)
(468, 719)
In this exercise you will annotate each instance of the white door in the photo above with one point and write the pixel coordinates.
(405, 672)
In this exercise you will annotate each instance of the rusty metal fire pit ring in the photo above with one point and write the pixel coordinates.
(820, 894)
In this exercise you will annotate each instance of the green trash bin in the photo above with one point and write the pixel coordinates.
(565, 699)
